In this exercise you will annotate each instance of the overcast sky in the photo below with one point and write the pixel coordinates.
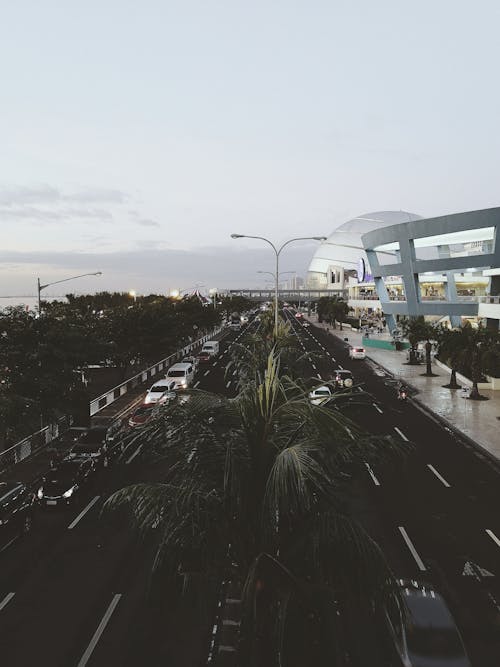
(136, 136)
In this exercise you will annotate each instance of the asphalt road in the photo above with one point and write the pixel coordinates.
(436, 518)
(75, 596)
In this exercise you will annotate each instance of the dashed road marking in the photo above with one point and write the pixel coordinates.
(493, 537)
(372, 475)
(228, 384)
(412, 549)
(83, 512)
(206, 373)
(401, 433)
(377, 408)
(319, 377)
(196, 384)
(132, 457)
(6, 600)
(440, 477)
(100, 629)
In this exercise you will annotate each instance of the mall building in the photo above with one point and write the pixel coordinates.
(400, 264)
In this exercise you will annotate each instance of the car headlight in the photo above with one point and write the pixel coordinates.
(69, 492)
(40, 493)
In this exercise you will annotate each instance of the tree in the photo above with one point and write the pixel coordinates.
(262, 474)
(472, 351)
(417, 329)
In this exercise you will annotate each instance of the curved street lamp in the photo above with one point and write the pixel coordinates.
(277, 252)
(56, 282)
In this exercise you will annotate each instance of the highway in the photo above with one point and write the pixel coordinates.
(436, 518)
(73, 592)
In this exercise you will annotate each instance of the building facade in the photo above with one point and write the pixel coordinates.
(441, 263)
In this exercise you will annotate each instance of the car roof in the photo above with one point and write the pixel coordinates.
(182, 366)
(323, 388)
(162, 383)
(427, 608)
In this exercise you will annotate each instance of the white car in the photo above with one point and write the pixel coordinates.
(160, 392)
(357, 353)
(320, 395)
(181, 374)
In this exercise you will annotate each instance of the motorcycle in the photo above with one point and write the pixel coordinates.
(402, 394)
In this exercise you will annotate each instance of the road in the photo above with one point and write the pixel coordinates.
(73, 593)
(436, 518)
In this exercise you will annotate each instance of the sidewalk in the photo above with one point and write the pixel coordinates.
(478, 420)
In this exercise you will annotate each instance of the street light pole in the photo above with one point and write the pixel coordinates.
(56, 282)
(277, 252)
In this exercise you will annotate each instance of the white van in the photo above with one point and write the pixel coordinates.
(212, 347)
(182, 374)
(161, 391)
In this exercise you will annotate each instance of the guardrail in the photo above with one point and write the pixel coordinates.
(41, 438)
(24, 448)
(112, 395)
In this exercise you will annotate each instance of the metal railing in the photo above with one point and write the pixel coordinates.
(112, 395)
(32, 443)
(44, 436)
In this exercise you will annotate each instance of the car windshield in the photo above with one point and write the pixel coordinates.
(66, 472)
(322, 392)
(176, 374)
(86, 448)
(143, 410)
(94, 436)
(160, 389)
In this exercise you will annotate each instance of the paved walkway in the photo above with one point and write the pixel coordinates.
(478, 420)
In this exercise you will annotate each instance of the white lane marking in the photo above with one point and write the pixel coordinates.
(206, 373)
(377, 408)
(440, 477)
(319, 377)
(228, 384)
(100, 629)
(6, 600)
(401, 433)
(215, 363)
(493, 537)
(349, 431)
(372, 474)
(341, 367)
(412, 549)
(235, 371)
(314, 366)
(83, 512)
(196, 384)
(132, 456)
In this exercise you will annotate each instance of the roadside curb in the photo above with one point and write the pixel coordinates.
(479, 449)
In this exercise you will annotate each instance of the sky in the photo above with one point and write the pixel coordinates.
(136, 137)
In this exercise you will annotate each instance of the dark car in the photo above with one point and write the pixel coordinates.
(62, 485)
(99, 443)
(142, 415)
(424, 634)
(16, 512)
(204, 357)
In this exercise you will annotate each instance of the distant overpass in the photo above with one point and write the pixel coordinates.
(287, 294)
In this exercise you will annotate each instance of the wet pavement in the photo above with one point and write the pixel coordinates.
(478, 420)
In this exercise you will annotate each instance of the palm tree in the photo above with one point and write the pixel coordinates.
(261, 476)
(417, 329)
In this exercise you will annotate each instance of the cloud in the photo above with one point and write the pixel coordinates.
(19, 195)
(147, 222)
(46, 194)
(48, 215)
(151, 268)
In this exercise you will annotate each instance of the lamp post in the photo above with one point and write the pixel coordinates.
(56, 282)
(277, 252)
